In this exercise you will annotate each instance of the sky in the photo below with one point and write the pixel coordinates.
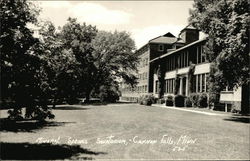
(144, 20)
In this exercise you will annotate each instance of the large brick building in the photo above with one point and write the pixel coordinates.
(175, 57)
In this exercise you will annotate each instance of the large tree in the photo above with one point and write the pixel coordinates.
(227, 24)
(77, 38)
(114, 59)
(60, 64)
(20, 66)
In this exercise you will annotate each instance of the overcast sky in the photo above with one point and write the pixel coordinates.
(144, 20)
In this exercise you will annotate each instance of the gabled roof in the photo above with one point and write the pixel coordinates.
(164, 40)
(168, 38)
(168, 35)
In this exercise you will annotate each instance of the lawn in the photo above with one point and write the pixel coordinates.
(127, 131)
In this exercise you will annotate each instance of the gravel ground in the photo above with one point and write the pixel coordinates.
(127, 131)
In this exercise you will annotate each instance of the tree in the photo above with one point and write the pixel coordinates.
(227, 26)
(161, 80)
(77, 38)
(20, 65)
(114, 59)
(60, 64)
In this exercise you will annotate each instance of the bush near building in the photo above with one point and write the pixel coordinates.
(188, 102)
(194, 97)
(197, 100)
(146, 100)
(169, 101)
(203, 100)
(161, 101)
(179, 100)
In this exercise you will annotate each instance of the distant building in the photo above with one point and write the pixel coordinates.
(176, 57)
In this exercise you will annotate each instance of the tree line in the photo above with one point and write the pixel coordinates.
(75, 60)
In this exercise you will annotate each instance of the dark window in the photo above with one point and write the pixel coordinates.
(198, 83)
(203, 82)
(160, 47)
(203, 57)
(198, 55)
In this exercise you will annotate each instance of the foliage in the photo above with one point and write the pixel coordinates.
(146, 99)
(203, 100)
(188, 102)
(76, 39)
(161, 78)
(67, 63)
(179, 100)
(214, 85)
(161, 101)
(169, 100)
(109, 93)
(227, 25)
(114, 58)
(22, 74)
(191, 77)
(198, 99)
(194, 97)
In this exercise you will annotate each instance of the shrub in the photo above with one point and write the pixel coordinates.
(109, 94)
(194, 97)
(188, 102)
(146, 100)
(179, 101)
(203, 100)
(169, 101)
(140, 100)
(161, 101)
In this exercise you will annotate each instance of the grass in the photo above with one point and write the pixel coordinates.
(217, 137)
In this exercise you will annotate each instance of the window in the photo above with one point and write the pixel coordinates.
(200, 84)
(169, 88)
(160, 47)
(200, 55)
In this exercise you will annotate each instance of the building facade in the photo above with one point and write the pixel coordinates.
(182, 64)
(153, 49)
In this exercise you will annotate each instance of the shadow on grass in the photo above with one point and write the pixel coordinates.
(239, 119)
(27, 151)
(27, 126)
(70, 107)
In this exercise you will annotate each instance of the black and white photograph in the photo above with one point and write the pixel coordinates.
(112, 80)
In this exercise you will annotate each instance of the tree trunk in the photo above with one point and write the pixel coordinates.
(88, 91)
(245, 108)
(161, 79)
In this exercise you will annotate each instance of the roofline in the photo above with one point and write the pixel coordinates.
(186, 28)
(160, 43)
(160, 36)
(154, 38)
(141, 48)
(182, 48)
